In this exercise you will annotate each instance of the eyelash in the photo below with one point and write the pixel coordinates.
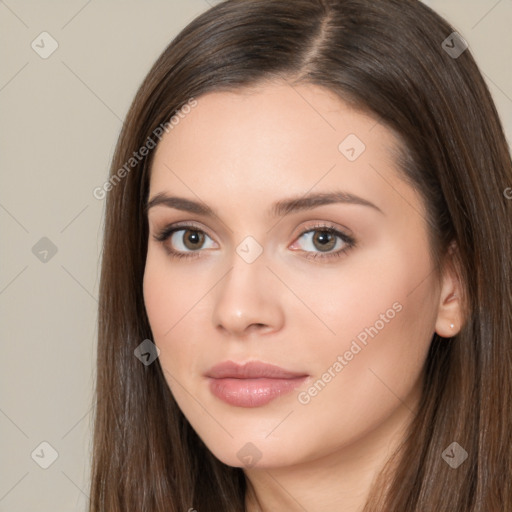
(163, 235)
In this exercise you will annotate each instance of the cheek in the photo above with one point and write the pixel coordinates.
(383, 314)
(171, 291)
(379, 291)
(168, 301)
(159, 296)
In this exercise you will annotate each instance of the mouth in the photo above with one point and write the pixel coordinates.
(252, 384)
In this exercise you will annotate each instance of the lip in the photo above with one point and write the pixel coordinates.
(252, 384)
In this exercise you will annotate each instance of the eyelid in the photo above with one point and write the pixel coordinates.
(327, 225)
(164, 233)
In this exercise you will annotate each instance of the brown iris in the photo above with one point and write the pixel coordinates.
(325, 239)
(193, 239)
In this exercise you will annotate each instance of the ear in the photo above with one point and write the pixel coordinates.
(449, 311)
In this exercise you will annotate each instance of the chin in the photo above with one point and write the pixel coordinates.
(254, 453)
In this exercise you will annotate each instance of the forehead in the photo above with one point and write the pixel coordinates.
(254, 145)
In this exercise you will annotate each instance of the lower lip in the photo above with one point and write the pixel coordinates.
(252, 392)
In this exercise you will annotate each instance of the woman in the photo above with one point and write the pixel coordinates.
(306, 277)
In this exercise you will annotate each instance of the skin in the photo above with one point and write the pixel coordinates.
(239, 152)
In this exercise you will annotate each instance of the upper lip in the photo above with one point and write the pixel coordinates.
(250, 370)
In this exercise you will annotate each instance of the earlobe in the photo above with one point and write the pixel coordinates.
(449, 315)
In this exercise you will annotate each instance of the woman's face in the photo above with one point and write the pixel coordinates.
(297, 245)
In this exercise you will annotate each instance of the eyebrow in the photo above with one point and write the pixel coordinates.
(279, 208)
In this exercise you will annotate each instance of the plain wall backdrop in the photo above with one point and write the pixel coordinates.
(61, 109)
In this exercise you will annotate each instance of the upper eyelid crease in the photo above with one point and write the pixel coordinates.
(280, 208)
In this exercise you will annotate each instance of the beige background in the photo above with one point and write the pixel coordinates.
(60, 118)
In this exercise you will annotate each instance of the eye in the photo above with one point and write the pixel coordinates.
(323, 242)
(184, 241)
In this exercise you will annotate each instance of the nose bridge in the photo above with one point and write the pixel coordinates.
(247, 296)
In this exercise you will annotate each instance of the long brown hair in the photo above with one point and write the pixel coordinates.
(386, 57)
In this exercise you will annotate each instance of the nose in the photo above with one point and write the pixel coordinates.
(247, 300)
